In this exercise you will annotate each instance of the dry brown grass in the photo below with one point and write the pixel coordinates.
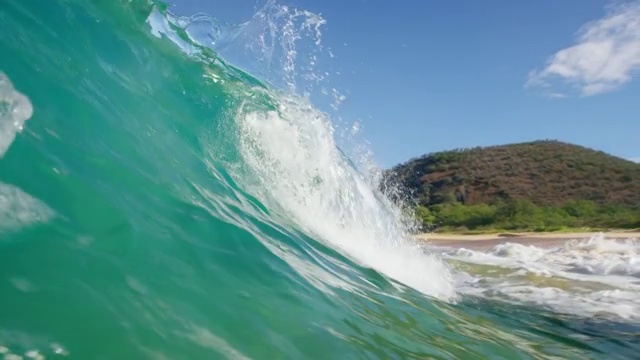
(545, 172)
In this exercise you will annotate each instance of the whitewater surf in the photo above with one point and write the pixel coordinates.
(170, 189)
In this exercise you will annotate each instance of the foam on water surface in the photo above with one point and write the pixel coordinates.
(594, 277)
(298, 168)
(15, 109)
(17, 208)
(198, 206)
(291, 161)
(55, 351)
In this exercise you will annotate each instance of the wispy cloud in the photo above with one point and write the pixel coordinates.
(556, 95)
(605, 56)
(635, 160)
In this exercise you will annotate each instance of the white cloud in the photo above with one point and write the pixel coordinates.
(605, 56)
(556, 95)
(637, 160)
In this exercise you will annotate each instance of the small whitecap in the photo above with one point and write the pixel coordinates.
(22, 284)
(59, 350)
(84, 240)
(34, 354)
(136, 285)
(15, 109)
(18, 209)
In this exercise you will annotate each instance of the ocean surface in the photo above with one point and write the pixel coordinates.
(159, 202)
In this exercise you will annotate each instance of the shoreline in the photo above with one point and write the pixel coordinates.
(487, 241)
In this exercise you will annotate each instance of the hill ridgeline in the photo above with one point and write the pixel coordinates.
(573, 185)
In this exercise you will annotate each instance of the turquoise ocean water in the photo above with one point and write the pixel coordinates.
(156, 202)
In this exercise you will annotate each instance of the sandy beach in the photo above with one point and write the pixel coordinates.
(486, 241)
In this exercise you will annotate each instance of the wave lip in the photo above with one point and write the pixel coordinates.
(295, 166)
(289, 156)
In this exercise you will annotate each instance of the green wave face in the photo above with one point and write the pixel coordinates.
(158, 203)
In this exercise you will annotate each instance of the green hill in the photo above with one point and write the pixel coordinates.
(549, 176)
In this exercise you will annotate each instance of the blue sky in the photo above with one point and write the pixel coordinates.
(426, 76)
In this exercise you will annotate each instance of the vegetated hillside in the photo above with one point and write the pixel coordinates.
(547, 173)
(539, 186)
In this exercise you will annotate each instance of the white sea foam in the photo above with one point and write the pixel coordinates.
(598, 276)
(298, 168)
(295, 165)
(15, 109)
(16, 207)
(291, 161)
